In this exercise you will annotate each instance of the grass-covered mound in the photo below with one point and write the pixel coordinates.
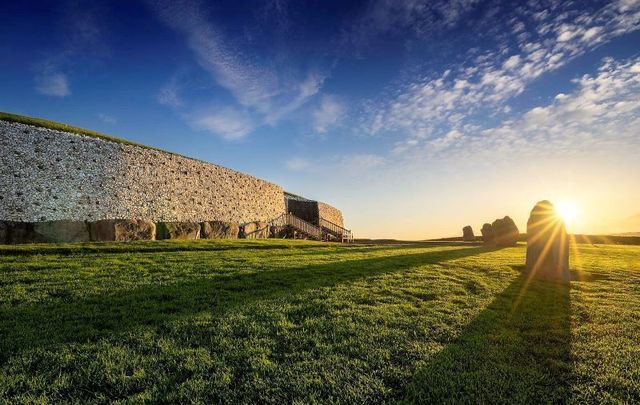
(57, 126)
(284, 321)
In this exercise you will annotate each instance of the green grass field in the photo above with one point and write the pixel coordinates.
(290, 321)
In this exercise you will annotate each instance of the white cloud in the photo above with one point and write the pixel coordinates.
(602, 115)
(421, 17)
(255, 84)
(298, 164)
(512, 62)
(83, 34)
(108, 119)
(229, 123)
(426, 110)
(327, 114)
(169, 94)
(352, 165)
(360, 162)
(54, 84)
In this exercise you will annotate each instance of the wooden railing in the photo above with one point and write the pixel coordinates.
(336, 230)
(310, 230)
(299, 225)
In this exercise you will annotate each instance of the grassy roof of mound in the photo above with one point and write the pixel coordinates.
(58, 126)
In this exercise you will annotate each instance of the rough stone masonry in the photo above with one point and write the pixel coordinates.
(50, 175)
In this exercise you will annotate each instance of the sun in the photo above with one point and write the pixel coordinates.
(568, 211)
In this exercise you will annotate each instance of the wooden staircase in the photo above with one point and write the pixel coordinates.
(340, 233)
(326, 231)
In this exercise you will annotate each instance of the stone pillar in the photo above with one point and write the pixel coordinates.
(547, 244)
(467, 234)
(487, 234)
(505, 232)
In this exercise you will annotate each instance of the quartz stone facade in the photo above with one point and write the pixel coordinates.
(49, 175)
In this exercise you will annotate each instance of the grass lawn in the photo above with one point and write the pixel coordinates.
(291, 321)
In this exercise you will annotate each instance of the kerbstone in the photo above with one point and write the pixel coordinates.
(219, 230)
(178, 230)
(256, 230)
(62, 231)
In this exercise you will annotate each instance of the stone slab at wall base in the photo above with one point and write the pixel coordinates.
(62, 231)
(14, 232)
(4, 233)
(108, 230)
(219, 230)
(178, 230)
(256, 230)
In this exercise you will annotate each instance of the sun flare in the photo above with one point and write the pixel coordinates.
(568, 211)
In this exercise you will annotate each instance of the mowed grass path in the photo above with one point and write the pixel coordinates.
(291, 321)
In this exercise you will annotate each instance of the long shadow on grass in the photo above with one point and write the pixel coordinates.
(153, 247)
(81, 320)
(516, 351)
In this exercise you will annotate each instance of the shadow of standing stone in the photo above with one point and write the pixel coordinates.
(547, 244)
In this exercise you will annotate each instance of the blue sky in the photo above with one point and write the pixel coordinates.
(414, 117)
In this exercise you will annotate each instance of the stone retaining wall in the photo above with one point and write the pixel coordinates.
(330, 213)
(311, 211)
(49, 175)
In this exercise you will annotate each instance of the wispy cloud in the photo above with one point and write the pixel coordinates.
(108, 119)
(298, 164)
(351, 164)
(52, 83)
(327, 114)
(257, 86)
(230, 123)
(601, 116)
(427, 110)
(83, 34)
(169, 93)
(422, 17)
(358, 163)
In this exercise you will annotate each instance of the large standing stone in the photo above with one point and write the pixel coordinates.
(505, 232)
(467, 234)
(62, 231)
(256, 230)
(487, 234)
(178, 230)
(107, 230)
(219, 230)
(547, 244)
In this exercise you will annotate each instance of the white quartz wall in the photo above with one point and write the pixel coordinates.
(53, 175)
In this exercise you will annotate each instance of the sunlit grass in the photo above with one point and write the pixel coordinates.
(281, 321)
